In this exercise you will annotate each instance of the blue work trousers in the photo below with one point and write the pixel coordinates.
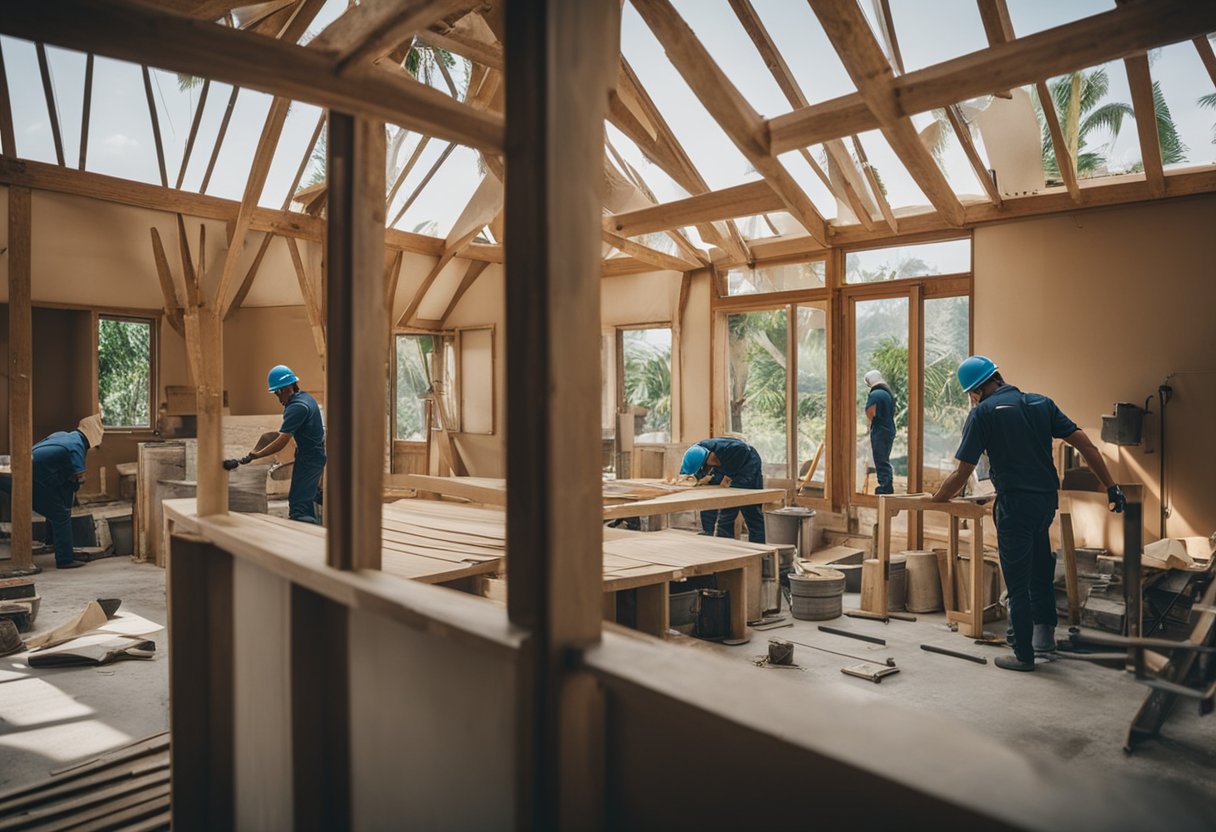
(881, 442)
(1022, 522)
(721, 522)
(54, 502)
(305, 485)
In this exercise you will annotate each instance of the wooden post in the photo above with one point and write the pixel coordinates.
(885, 516)
(206, 322)
(20, 380)
(1070, 568)
(562, 62)
(357, 329)
(916, 411)
(977, 580)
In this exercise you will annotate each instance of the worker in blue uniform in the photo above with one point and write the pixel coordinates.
(301, 421)
(712, 460)
(1016, 430)
(58, 472)
(880, 410)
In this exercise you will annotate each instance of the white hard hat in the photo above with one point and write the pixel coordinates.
(873, 377)
(92, 429)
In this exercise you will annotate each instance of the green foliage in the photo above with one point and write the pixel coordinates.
(1108, 118)
(414, 353)
(648, 380)
(1208, 102)
(124, 372)
(1173, 150)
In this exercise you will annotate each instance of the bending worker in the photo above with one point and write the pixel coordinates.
(58, 473)
(301, 420)
(880, 410)
(1016, 430)
(711, 460)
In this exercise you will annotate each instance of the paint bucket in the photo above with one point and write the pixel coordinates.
(816, 594)
(793, 525)
(122, 534)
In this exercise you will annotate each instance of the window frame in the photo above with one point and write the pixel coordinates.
(153, 320)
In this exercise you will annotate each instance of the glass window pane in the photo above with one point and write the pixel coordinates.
(947, 343)
(877, 265)
(648, 380)
(124, 372)
(812, 399)
(413, 382)
(756, 384)
(882, 344)
(775, 278)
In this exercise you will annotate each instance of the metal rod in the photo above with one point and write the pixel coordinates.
(847, 634)
(889, 662)
(943, 651)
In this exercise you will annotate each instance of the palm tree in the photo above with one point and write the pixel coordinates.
(1077, 98)
(1173, 150)
(1208, 102)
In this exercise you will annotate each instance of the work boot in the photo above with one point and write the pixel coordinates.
(72, 564)
(1044, 639)
(1012, 662)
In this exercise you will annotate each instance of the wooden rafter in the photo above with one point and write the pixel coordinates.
(308, 151)
(405, 171)
(875, 186)
(369, 30)
(48, 91)
(392, 275)
(194, 124)
(155, 119)
(676, 234)
(738, 201)
(963, 132)
(657, 258)
(1136, 27)
(470, 277)
(129, 30)
(312, 302)
(219, 138)
(85, 107)
(845, 190)
(172, 304)
(459, 43)
(886, 26)
(1141, 84)
(1207, 55)
(863, 59)
(8, 142)
(250, 275)
(447, 151)
(729, 108)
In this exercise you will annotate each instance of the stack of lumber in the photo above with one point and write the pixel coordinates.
(127, 788)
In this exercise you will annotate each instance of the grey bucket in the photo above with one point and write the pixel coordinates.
(816, 595)
(793, 526)
(122, 534)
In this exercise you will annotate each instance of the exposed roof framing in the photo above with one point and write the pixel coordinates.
(1141, 84)
(372, 29)
(8, 142)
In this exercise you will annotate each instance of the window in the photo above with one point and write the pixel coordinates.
(881, 343)
(812, 387)
(947, 343)
(476, 380)
(757, 384)
(124, 371)
(647, 375)
(790, 277)
(926, 259)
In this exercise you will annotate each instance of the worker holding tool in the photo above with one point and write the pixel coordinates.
(58, 473)
(712, 460)
(880, 410)
(301, 421)
(1016, 430)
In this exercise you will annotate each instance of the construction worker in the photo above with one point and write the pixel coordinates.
(880, 410)
(1016, 430)
(58, 473)
(302, 421)
(710, 461)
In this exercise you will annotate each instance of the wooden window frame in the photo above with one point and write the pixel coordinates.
(618, 341)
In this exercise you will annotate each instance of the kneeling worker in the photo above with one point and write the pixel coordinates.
(710, 460)
(1016, 430)
(58, 473)
(302, 420)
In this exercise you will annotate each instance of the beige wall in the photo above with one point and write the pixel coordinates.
(1102, 306)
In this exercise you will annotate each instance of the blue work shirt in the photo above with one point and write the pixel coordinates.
(302, 419)
(884, 409)
(1016, 430)
(59, 458)
(736, 459)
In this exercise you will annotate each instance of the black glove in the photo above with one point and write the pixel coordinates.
(231, 464)
(1115, 500)
(246, 459)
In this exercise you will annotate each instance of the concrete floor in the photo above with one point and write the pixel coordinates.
(1071, 711)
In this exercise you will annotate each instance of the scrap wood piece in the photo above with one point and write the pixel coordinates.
(95, 649)
(870, 672)
(90, 618)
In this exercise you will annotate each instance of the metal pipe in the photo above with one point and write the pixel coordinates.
(943, 651)
(847, 634)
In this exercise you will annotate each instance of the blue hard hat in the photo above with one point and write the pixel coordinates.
(694, 458)
(280, 376)
(974, 371)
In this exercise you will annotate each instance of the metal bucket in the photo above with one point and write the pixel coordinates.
(817, 594)
(792, 526)
(122, 535)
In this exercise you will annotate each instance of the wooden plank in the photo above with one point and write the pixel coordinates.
(194, 294)
(20, 379)
(155, 119)
(204, 340)
(863, 59)
(1207, 55)
(357, 330)
(1135, 27)
(963, 132)
(658, 259)
(219, 138)
(1071, 582)
(1064, 160)
(48, 91)
(978, 587)
(457, 43)
(201, 719)
(86, 106)
(367, 31)
(729, 108)
(1140, 81)
(194, 123)
(734, 581)
(737, 201)
(8, 142)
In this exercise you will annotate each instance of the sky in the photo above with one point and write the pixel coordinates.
(121, 143)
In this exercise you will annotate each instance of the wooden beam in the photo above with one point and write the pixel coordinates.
(1064, 160)
(656, 258)
(168, 291)
(458, 43)
(86, 107)
(875, 186)
(392, 274)
(155, 119)
(8, 142)
(476, 267)
(1141, 84)
(863, 59)
(369, 30)
(250, 276)
(48, 91)
(194, 123)
(219, 139)
(194, 293)
(411, 308)
(312, 303)
(621, 266)
(886, 26)
(729, 108)
(20, 380)
(312, 144)
(1126, 30)
(561, 64)
(1204, 47)
(356, 330)
(738, 201)
(129, 30)
(963, 132)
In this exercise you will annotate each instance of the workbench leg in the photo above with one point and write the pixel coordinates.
(977, 579)
(884, 556)
(952, 601)
(610, 606)
(734, 581)
(1070, 568)
(653, 609)
(755, 607)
